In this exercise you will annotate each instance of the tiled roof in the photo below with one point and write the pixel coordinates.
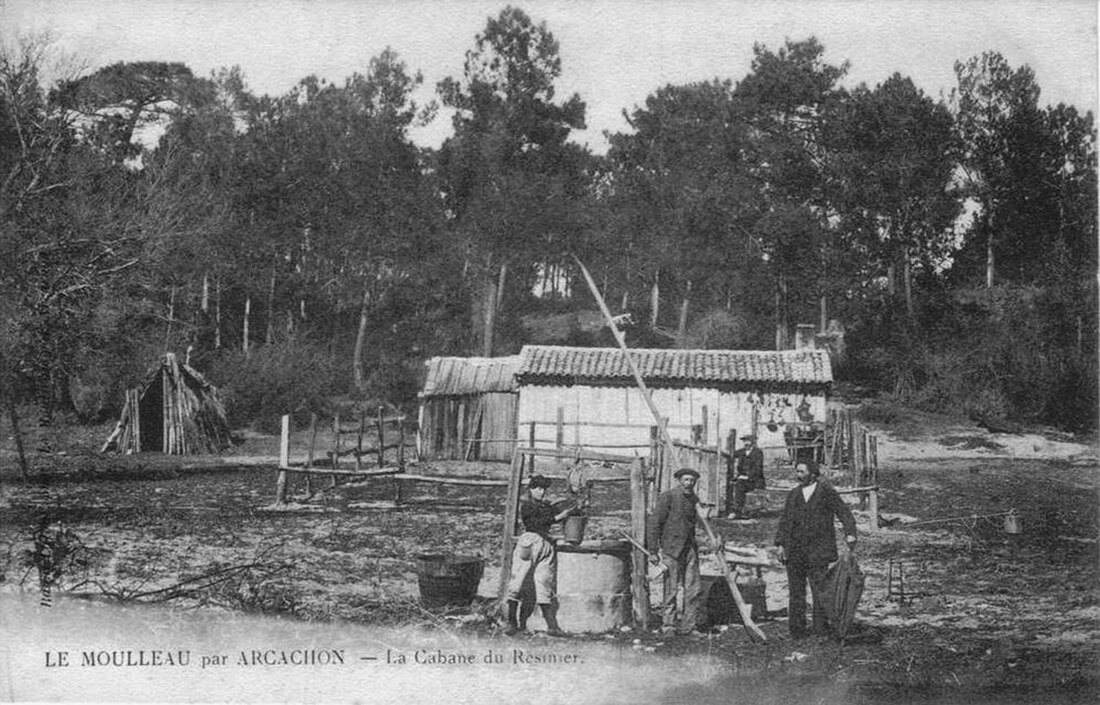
(453, 376)
(677, 366)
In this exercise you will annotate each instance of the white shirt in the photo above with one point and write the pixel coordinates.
(808, 491)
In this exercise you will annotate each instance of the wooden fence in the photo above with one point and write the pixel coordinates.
(369, 434)
(851, 451)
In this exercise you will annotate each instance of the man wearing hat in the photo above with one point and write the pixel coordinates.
(535, 560)
(672, 534)
(746, 473)
(806, 538)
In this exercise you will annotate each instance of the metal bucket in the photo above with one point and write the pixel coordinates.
(573, 528)
(593, 587)
(447, 580)
(1012, 523)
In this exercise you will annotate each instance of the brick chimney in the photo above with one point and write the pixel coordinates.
(804, 334)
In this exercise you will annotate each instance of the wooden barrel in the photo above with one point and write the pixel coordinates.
(594, 586)
(448, 580)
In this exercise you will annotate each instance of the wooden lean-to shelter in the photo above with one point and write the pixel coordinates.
(468, 408)
(175, 411)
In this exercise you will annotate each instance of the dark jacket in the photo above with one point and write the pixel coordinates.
(673, 527)
(751, 465)
(806, 529)
(537, 516)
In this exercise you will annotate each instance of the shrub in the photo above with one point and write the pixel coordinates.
(288, 377)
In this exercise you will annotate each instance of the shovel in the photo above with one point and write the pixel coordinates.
(660, 567)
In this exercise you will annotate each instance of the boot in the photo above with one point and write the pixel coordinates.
(512, 626)
(550, 616)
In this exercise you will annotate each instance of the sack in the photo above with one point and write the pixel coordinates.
(843, 588)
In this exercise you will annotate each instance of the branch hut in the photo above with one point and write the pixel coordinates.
(175, 411)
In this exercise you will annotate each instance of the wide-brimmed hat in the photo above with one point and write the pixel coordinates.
(685, 471)
(538, 481)
(748, 437)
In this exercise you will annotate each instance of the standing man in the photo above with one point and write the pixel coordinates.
(807, 543)
(672, 535)
(746, 473)
(535, 560)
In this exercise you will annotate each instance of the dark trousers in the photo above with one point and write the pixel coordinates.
(735, 495)
(799, 572)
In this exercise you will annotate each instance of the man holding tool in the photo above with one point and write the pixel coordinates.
(807, 544)
(672, 533)
(535, 560)
(746, 473)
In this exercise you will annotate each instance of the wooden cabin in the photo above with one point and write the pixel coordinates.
(468, 409)
(588, 397)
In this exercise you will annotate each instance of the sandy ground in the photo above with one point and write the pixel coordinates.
(979, 615)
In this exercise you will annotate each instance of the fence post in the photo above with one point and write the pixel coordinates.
(284, 461)
(401, 444)
(511, 510)
(381, 439)
(309, 453)
(335, 446)
(640, 587)
(359, 441)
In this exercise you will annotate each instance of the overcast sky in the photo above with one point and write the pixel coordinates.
(614, 52)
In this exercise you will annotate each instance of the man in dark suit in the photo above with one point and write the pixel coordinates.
(746, 473)
(807, 543)
(672, 533)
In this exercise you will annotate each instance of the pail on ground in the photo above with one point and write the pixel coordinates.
(573, 528)
(448, 580)
(720, 605)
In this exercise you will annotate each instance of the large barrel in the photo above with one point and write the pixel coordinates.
(448, 580)
(593, 587)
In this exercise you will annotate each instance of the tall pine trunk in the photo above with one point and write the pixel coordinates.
(654, 299)
(247, 315)
(269, 337)
(681, 326)
(782, 336)
(488, 320)
(360, 340)
(218, 314)
(908, 281)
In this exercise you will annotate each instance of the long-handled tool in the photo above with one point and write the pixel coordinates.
(731, 579)
(661, 566)
(742, 607)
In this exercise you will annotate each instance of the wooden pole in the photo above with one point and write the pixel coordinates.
(335, 446)
(559, 429)
(731, 580)
(381, 438)
(359, 440)
(401, 444)
(639, 586)
(284, 461)
(873, 508)
(135, 398)
(511, 511)
(310, 451)
(661, 422)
